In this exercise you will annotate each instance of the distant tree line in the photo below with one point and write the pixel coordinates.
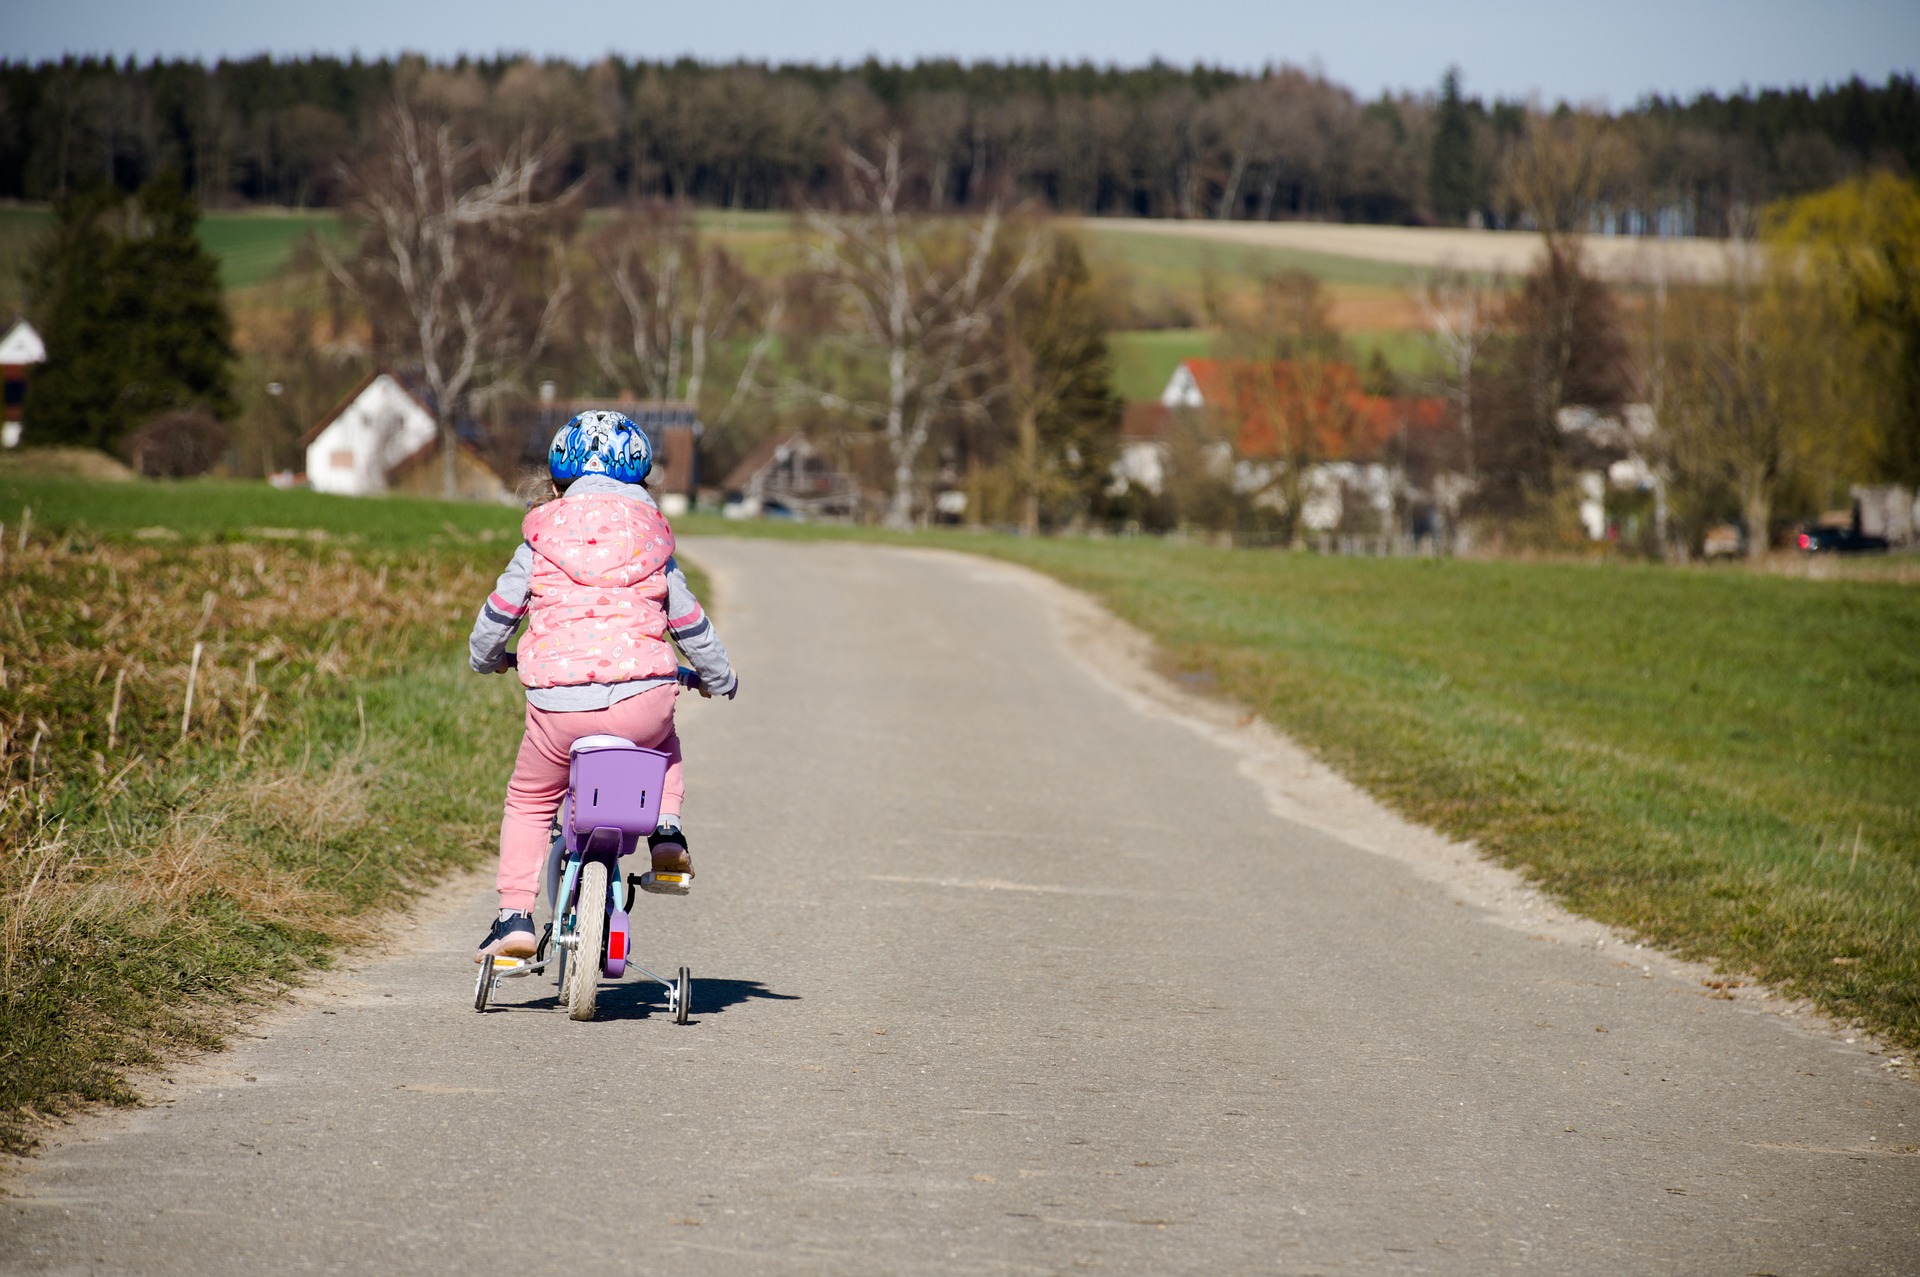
(1153, 141)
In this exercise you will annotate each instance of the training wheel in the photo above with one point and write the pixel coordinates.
(683, 996)
(483, 987)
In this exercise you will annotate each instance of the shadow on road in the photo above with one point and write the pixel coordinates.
(642, 997)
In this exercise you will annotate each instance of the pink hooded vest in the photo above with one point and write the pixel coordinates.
(598, 608)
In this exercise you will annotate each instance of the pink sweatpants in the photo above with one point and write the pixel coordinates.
(539, 778)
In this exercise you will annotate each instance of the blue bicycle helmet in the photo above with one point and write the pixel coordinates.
(600, 443)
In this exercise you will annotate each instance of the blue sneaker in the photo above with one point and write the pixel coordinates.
(509, 937)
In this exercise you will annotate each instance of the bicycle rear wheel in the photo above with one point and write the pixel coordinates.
(590, 933)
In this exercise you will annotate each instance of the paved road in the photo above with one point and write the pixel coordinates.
(997, 973)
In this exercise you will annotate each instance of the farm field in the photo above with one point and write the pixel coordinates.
(251, 245)
(1165, 266)
(1143, 360)
(1396, 254)
(1167, 262)
(1737, 789)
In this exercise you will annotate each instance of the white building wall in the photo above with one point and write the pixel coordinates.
(1141, 462)
(1183, 390)
(383, 426)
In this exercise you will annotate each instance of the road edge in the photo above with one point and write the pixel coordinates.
(1302, 790)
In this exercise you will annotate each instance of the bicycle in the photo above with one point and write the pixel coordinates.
(612, 805)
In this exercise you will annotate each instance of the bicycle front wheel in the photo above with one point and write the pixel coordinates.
(590, 933)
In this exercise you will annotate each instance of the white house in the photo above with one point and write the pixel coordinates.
(19, 349)
(1142, 458)
(381, 424)
(1631, 434)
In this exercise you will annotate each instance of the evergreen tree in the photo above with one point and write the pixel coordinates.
(1450, 181)
(133, 315)
(73, 394)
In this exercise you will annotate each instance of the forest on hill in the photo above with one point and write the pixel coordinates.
(1151, 141)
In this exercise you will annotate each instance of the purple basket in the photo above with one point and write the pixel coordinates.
(614, 789)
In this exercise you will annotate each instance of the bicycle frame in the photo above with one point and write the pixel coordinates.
(612, 804)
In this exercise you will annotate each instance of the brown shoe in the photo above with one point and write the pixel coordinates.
(669, 850)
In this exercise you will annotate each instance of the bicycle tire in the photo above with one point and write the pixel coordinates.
(483, 988)
(590, 932)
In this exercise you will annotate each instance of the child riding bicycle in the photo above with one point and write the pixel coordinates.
(596, 583)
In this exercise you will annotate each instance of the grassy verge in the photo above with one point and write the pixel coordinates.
(337, 756)
(1721, 762)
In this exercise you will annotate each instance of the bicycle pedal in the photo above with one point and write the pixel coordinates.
(666, 884)
(508, 964)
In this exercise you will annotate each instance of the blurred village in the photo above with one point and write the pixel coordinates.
(1248, 309)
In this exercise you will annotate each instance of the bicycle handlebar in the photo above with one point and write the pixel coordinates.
(687, 678)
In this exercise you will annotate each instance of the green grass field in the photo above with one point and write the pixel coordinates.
(1144, 359)
(210, 509)
(250, 245)
(1720, 762)
(1177, 262)
(253, 245)
(1410, 354)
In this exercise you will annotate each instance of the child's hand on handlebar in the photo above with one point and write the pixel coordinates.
(507, 661)
(691, 678)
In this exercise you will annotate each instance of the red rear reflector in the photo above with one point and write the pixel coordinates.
(616, 945)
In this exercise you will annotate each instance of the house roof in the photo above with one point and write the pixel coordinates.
(22, 345)
(431, 449)
(760, 458)
(407, 385)
(1268, 400)
(1143, 421)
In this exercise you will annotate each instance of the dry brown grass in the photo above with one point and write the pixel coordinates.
(64, 463)
(162, 864)
(95, 677)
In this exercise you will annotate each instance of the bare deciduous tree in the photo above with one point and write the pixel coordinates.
(662, 301)
(1561, 168)
(1462, 312)
(456, 239)
(916, 300)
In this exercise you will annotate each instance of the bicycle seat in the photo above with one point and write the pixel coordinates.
(587, 744)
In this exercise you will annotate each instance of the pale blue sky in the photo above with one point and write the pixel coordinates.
(1615, 51)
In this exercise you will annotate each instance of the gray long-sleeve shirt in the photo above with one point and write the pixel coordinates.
(687, 623)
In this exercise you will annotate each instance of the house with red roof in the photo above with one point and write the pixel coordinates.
(1279, 409)
(1278, 413)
